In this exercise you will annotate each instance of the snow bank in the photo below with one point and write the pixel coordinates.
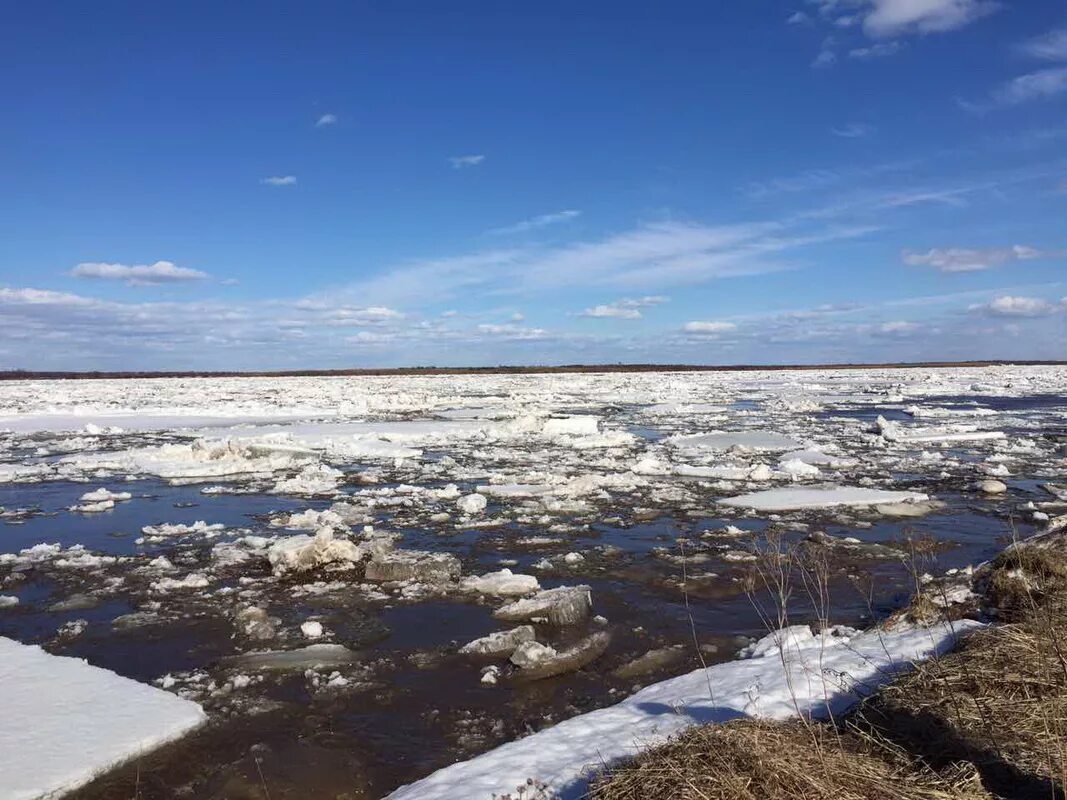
(827, 673)
(64, 722)
(797, 499)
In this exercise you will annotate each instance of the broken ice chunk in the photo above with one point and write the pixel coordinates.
(564, 605)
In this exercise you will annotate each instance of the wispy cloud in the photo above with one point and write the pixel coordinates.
(325, 120)
(1039, 85)
(279, 180)
(853, 130)
(462, 162)
(611, 311)
(897, 17)
(959, 259)
(138, 274)
(886, 22)
(1016, 306)
(540, 221)
(876, 50)
(709, 328)
(1051, 46)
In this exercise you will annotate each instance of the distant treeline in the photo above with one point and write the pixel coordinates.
(22, 375)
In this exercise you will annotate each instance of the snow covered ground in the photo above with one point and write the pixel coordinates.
(202, 534)
(64, 722)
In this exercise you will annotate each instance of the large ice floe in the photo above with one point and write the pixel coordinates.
(64, 722)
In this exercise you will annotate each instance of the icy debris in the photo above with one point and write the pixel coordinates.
(727, 440)
(72, 628)
(8, 601)
(500, 644)
(895, 432)
(472, 503)
(312, 629)
(194, 580)
(817, 458)
(798, 468)
(503, 583)
(166, 529)
(577, 425)
(564, 605)
(311, 480)
(413, 565)
(99, 500)
(799, 499)
(314, 656)
(651, 661)
(301, 553)
(546, 662)
(255, 623)
(74, 557)
(992, 486)
(93, 508)
(64, 722)
(101, 494)
(76, 602)
(810, 675)
(514, 490)
(531, 653)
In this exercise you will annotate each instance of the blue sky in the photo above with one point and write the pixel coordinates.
(285, 185)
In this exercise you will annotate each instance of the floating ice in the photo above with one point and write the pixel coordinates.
(798, 499)
(64, 722)
(503, 583)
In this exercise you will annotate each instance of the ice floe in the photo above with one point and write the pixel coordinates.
(64, 722)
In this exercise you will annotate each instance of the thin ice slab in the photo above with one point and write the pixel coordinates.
(64, 722)
(799, 499)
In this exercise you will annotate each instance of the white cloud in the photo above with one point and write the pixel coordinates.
(798, 18)
(1013, 306)
(888, 20)
(626, 308)
(540, 221)
(702, 328)
(512, 332)
(896, 17)
(138, 274)
(42, 297)
(1052, 46)
(460, 162)
(326, 119)
(614, 311)
(324, 312)
(958, 259)
(279, 180)
(900, 327)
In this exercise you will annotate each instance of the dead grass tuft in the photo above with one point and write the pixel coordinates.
(754, 760)
(1000, 700)
(1024, 577)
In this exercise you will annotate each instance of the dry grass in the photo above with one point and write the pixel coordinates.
(999, 701)
(1024, 579)
(751, 760)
